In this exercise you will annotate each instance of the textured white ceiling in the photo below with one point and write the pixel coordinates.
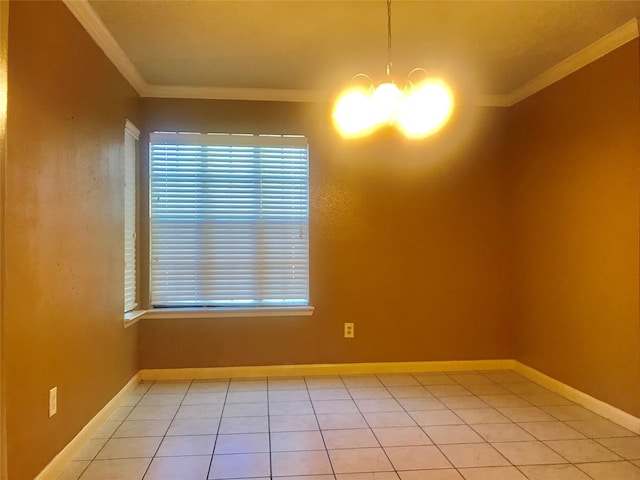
(491, 46)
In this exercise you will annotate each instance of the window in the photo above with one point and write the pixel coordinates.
(131, 135)
(229, 220)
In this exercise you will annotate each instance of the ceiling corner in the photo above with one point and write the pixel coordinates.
(89, 19)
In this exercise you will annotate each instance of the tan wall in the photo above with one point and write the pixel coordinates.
(64, 241)
(407, 241)
(575, 158)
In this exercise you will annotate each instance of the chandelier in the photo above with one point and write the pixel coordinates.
(418, 109)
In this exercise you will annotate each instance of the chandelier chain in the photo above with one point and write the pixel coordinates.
(388, 38)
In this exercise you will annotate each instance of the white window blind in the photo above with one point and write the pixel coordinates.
(131, 134)
(229, 220)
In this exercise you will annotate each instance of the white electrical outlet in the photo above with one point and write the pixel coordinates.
(53, 401)
(348, 330)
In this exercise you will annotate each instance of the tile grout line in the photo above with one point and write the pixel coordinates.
(215, 441)
(313, 408)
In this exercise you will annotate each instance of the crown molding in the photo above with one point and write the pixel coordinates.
(92, 23)
(89, 19)
(216, 93)
(611, 41)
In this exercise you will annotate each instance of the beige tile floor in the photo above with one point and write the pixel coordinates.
(422, 426)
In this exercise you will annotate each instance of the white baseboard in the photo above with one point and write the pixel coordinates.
(321, 369)
(614, 414)
(55, 466)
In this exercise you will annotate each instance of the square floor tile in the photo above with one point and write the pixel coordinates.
(525, 387)
(577, 451)
(73, 470)
(351, 438)
(448, 390)
(324, 382)
(288, 395)
(242, 465)
(416, 458)
(493, 473)
(107, 429)
(446, 434)
(178, 468)
(401, 436)
(464, 401)
(286, 383)
(187, 445)
(544, 399)
(389, 419)
(142, 388)
(154, 412)
(197, 398)
(120, 414)
(200, 411)
(169, 387)
(247, 397)
(367, 405)
(330, 394)
(360, 381)
(293, 423)
(599, 428)
(505, 376)
(312, 462)
(247, 385)
(296, 441)
(526, 414)
(434, 379)
(421, 403)
(611, 470)
(300, 407)
(242, 443)
(130, 400)
(487, 389)
(528, 453)
(397, 380)
(444, 474)
(245, 410)
(161, 399)
(142, 428)
(626, 447)
(244, 425)
(409, 391)
(90, 449)
(334, 406)
(369, 393)
(436, 417)
(471, 378)
(508, 400)
(502, 432)
(551, 431)
(338, 421)
(554, 472)
(119, 469)
(570, 412)
(129, 448)
(206, 386)
(194, 426)
(473, 455)
(480, 415)
(360, 460)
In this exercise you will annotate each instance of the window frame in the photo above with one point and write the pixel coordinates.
(206, 311)
(130, 223)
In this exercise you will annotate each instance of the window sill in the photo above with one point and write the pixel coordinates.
(180, 313)
(132, 317)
